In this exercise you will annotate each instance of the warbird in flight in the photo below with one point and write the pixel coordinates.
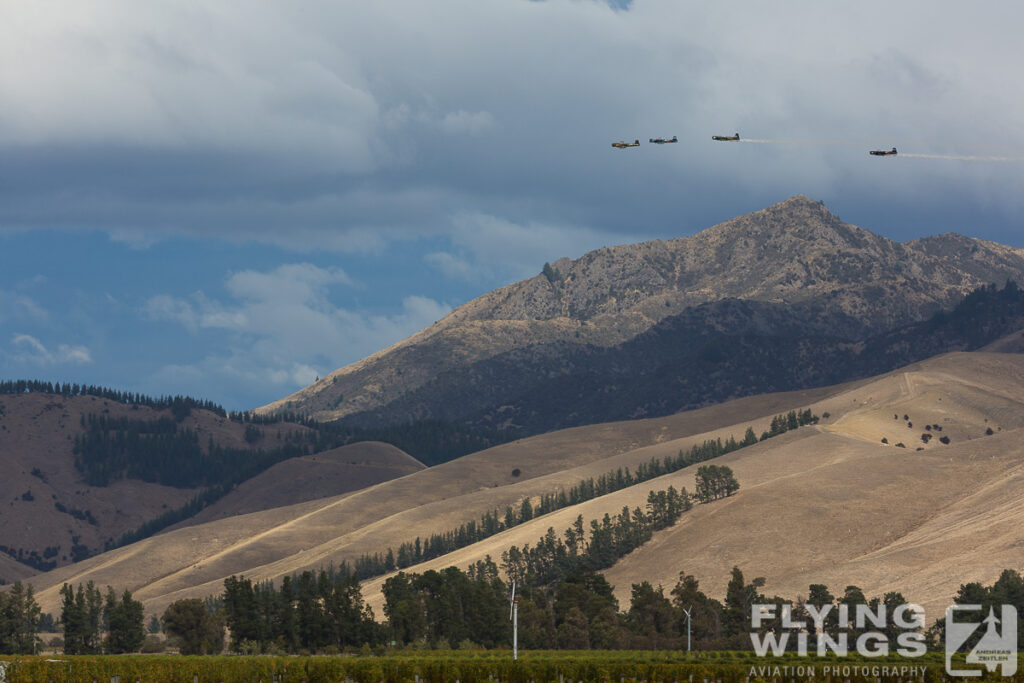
(663, 141)
(726, 138)
(622, 144)
(883, 153)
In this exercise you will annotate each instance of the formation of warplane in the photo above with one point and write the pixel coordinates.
(622, 144)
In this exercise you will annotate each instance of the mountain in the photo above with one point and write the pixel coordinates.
(838, 503)
(85, 472)
(49, 515)
(701, 317)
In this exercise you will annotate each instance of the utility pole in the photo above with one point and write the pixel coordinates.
(687, 612)
(514, 616)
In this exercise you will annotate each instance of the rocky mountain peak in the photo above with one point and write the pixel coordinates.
(832, 278)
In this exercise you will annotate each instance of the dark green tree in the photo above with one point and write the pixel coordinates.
(19, 620)
(651, 618)
(705, 613)
(81, 611)
(739, 596)
(124, 618)
(197, 631)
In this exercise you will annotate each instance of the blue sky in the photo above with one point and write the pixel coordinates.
(229, 198)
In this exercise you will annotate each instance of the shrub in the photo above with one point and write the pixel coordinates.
(944, 439)
(153, 645)
(885, 440)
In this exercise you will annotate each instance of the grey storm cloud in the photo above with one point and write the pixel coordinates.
(339, 125)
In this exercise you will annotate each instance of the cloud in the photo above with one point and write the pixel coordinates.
(510, 250)
(345, 127)
(29, 350)
(470, 123)
(281, 328)
(452, 266)
(18, 306)
(292, 282)
(164, 307)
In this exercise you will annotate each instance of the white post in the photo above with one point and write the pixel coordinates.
(514, 616)
(687, 611)
(515, 630)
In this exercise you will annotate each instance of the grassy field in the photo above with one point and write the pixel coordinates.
(477, 666)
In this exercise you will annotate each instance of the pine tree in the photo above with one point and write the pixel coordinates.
(125, 623)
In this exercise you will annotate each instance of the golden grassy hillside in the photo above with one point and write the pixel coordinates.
(831, 504)
(45, 506)
(297, 480)
(825, 504)
(268, 544)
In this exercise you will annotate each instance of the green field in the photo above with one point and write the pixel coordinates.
(478, 666)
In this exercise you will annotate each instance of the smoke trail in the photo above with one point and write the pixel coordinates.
(809, 143)
(956, 157)
(868, 143)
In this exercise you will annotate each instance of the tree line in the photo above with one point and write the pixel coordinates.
(311, 613)
(552, 558)
(318, 612)
(716, 484)
(94, 623)
(19, 618)
(177, 404)
(162, 452)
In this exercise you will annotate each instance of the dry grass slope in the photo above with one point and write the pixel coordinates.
(833, 505)
(11, 571)
(828, 504)
(37, 433)
(297, 480)
(194, 561)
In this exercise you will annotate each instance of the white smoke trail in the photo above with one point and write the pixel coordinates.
(957, 157)
(810, 143)
(869, 143)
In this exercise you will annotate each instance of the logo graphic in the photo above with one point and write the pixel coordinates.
(996, 647)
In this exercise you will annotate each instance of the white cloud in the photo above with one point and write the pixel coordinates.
(18, 306)
(164, 307)
(292, 282)
(29, 350)
(471, 123)
(512, 250)
(282, 327)
(452, 266)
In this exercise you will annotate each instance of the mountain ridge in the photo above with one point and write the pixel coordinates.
(834, 278)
